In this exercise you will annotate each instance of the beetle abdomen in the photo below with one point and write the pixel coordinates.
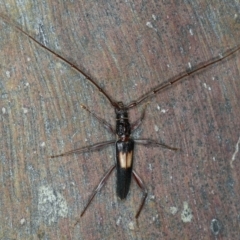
(124, 157)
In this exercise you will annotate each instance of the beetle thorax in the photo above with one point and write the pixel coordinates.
(123, 127)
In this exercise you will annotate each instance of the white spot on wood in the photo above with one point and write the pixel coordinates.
(118, 221)
(8, 74)
(131, 226)
(150, 166)
(51, 204)
(3, 110)
(28, 59)
(215, 226)
(25, 110)
(58, 65)
(155, 218)
(156, 128)
(43, 144)
(191, 31)
(162, 110)
(189, 65)
(154, 17)
(74, 134)
(235, 153)
(149, 24)
(22, 221)
(152, 197)
(207, 87)
(186, 214)
(173, 210)
(26, 85)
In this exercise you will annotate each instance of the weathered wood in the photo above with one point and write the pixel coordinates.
(128, 48)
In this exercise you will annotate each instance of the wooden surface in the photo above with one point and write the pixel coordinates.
(128, 48)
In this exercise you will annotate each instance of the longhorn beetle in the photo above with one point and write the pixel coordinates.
(124, 144)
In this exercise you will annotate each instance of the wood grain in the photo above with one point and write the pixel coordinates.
(127, 48)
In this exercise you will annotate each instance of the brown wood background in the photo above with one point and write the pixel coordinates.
(128, 47)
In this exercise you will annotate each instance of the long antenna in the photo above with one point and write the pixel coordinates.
(183, 75)
(113, 103)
